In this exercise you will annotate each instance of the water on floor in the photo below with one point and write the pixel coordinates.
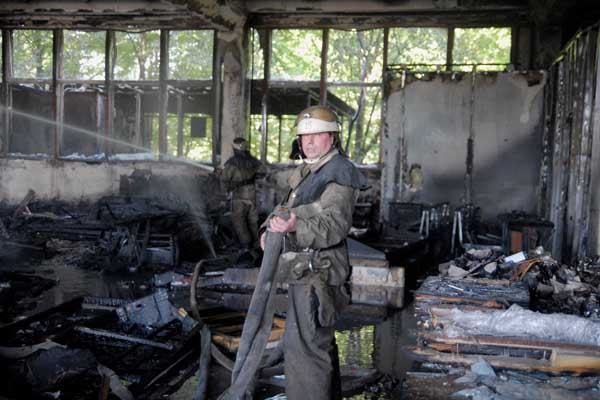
(368, 336)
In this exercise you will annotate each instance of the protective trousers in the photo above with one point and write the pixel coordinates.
(309, 349)
(245, 221)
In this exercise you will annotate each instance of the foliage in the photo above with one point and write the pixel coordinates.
(355, 61)
(355, 56)
(296, 54)
(190, 54)
(137, 55)
(199, 149)
(83, 56)
(417, 46)
(482, 46)
(257, 61)
(354, 71)
(32, 54)
(360, 131)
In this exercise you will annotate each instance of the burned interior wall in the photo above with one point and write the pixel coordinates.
(75, 181)
(507, 130)
(475, 136)
(571, 169)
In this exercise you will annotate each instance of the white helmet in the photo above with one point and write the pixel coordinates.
(316, 119)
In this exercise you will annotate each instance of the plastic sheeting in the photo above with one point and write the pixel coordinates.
(519, 322)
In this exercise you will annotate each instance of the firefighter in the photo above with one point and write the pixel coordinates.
(314, 263)
(239, 174)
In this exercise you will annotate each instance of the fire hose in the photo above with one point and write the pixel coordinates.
(259, 320)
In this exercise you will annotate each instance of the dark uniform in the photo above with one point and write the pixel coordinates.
(239, 174)
(315, 264)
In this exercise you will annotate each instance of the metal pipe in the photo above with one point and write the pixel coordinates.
(127, 338)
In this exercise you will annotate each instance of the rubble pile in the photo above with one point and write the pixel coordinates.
(553, 287)
(121, 232)
(131, 349)
(523, 314)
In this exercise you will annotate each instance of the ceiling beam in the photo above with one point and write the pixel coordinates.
(126, 14)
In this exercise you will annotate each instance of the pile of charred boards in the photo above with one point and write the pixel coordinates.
(524, 313)
(127, 231)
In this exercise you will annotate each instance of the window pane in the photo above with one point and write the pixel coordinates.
(84, 125)
(84, 55)
(190, 54)
(482, 46)
(257, 60)
(355, 56)
(281, 135)
(33, 128)
(138, 55)
(360, 131)
(418, 46)
(32, 54)
(254, 124)
(195, 147)
(296, 54)
(128, 125)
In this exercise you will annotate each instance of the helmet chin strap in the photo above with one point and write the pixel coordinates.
(310, 160)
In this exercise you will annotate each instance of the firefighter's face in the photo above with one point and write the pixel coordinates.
(316, 145)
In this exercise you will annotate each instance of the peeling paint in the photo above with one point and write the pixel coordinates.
(532, 83)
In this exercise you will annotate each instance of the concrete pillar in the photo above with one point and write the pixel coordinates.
(233, 122)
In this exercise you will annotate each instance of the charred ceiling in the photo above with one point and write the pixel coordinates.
(105, 14)
(372, 14)
(228, 15)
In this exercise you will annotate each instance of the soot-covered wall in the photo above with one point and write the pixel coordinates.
(477, 138)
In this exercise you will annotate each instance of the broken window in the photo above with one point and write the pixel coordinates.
(83, 130)
(482, 46)
(83, 55)
(254, 127)
(190, 54)
(128, 121)
(31, 124)
(281, 135)
(355, 59)
(32, 54)
(296, 54)
(421, 49)
(257, 61)
(120, 123)
(355, 71)
(137, 55)
(196, 136)
(355, 56)
(189, 124)
(359, 114)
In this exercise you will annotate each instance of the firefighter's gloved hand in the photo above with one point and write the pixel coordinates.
(278, 224)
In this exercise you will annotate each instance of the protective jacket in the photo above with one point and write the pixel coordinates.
(322, 195)
(238, 177)
(239, 173)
